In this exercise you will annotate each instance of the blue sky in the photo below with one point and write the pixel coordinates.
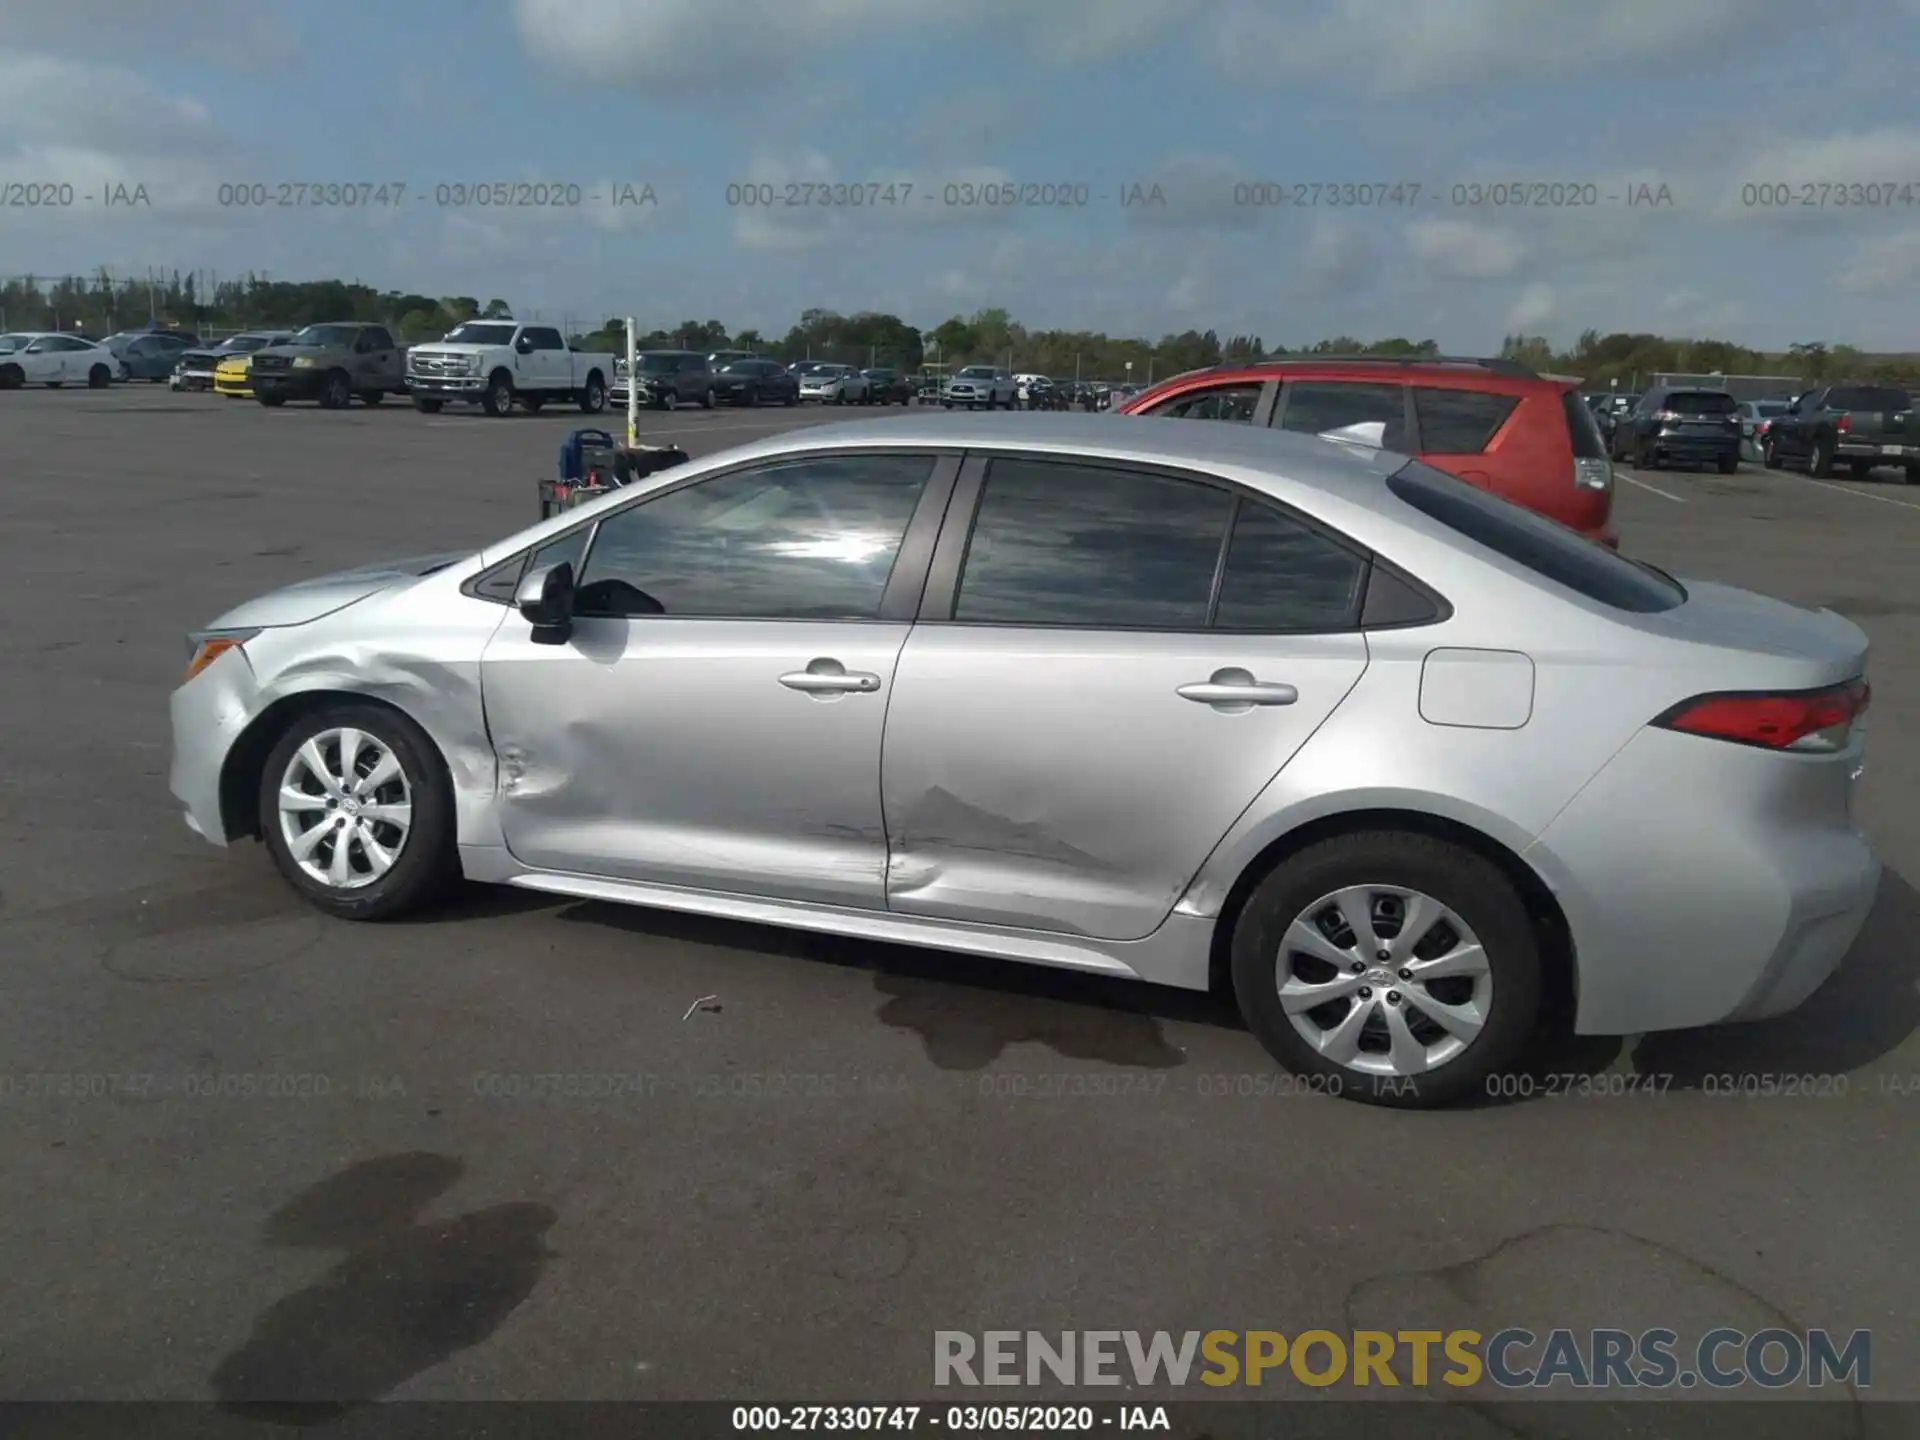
(1199, 97)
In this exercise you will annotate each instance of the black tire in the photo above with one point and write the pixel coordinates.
(1467, 883)
(1769, 454)
(427, 405)
(428, 861)
(497, 398)
(1729, 464)
(753, 396)
(1820, 460)
(792, 400)
(593, 396)
(337, 392)
(532, 403)
(1646, 457)
(706, 400)
(272, 402)
(669, 400)
(99, 378)
(12, 377)
(946, 404)
(370, 398)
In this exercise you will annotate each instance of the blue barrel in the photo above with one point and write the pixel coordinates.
(572, 467)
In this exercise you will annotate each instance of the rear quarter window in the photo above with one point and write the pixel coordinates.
(1868, 397)
(1460, 422)
(1536, 543)
(1583, 429)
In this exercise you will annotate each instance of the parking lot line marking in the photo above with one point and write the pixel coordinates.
(1860, 494)
(1663, 494)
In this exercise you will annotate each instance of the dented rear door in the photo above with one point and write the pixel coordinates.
(1073, 775)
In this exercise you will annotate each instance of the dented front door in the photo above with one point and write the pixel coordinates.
(731, 755)
(1076, 781)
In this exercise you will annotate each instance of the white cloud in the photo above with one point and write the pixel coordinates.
(232, 36)
(1397, 46)
(1884, 264)
(1535, 307)
(1340, 256)
(1774, 180)
(1467, 249)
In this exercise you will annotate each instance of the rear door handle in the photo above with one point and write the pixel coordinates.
(1237, 688)
(830, 677)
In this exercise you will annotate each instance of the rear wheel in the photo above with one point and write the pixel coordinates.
(1401, 968)
(593, 397)
(99, 378)
(1820, 460)
(427, 405)
(1770, 454)
(357, 811)
(532, 403)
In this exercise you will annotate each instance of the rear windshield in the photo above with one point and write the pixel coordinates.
(1700, 402)
(1868, 397)
(1583, 429)
(1548, 549)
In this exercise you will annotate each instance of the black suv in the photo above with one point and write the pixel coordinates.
(888, 387)
(1680, 425)
(667, 379)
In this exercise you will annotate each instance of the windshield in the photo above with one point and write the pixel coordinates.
(1700, 402)
(977, 372)
(243, 344)
(324, 337)
(1770, 407)
(659, 364)
(1868, 397)
(473, 333)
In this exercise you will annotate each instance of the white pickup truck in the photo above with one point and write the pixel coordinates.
(497, 364)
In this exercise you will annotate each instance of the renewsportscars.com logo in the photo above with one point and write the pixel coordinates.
(1512, 1359)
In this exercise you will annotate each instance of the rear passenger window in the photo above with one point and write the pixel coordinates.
(1549, 550)
(1076, 545)
(1460, 422)
(1339, 410)
(1281, 575)
(1230, 402)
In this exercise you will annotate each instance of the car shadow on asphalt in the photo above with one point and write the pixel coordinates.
(966, 1009)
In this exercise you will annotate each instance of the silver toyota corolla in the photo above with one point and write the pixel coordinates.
(1178, 701)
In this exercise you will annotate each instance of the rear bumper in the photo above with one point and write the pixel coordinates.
(1705, 882)
(1896, 453)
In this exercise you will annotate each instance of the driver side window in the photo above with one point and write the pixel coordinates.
(812, 539)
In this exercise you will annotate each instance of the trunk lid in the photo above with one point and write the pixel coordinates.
(1756, 642)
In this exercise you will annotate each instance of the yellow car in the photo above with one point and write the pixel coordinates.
(230, 378)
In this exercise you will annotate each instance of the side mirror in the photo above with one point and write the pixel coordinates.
(545, 597)
(523, 346)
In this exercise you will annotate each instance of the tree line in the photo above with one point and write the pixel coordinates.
(102, 303)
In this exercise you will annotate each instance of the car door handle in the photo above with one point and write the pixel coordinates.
(1237, 687)
(829, 677)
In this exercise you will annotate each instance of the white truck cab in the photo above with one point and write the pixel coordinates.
(498, 364)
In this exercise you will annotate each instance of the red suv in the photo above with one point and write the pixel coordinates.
(1525, 436)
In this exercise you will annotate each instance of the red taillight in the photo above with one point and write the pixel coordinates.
(1774, 721)
(1843, 423)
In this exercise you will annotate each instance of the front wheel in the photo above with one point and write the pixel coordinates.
(593, 399)
(357, 810)
(1729, 464)
(99, 378)
(670, 400)
(706, 400)
(337, 392)
(427, 405)
(272, 402)
(1401, 969)
(497, 398)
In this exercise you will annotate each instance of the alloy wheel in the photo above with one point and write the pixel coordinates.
(346, 808)
(1384, 980)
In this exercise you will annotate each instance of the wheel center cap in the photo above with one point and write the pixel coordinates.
(351, 806)
(1379, 975)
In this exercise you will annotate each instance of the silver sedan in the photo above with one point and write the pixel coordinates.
(1397, 763)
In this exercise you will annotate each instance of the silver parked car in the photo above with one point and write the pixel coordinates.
(981, 387)
(835, 385)
(1390, 757)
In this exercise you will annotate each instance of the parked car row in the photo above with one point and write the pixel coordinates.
(1859, 426)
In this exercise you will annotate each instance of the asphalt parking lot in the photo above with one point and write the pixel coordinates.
(815, 1153)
